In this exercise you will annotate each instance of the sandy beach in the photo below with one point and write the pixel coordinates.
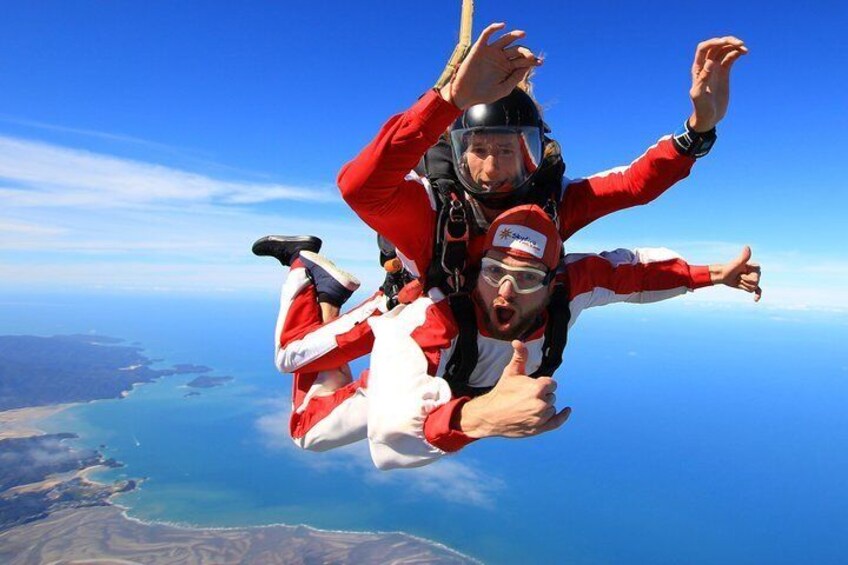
(21, 422)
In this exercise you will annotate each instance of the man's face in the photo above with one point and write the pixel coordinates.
(494, 160)
(507, 313)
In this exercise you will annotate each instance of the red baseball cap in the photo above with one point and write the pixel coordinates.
(526, 232)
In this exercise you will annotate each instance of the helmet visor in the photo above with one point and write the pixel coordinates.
(496, 160)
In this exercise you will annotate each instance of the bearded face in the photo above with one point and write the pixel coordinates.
(508, 313)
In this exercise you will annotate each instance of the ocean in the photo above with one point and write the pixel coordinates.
(699, 435)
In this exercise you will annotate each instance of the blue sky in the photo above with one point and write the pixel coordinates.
(144, 146)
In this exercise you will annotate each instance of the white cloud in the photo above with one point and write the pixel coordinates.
(49, 175)
(28, 229)
(450, 480)
(76, 219)
(108, 136)
(447, 480)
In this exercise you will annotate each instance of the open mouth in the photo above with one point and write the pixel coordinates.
(493, 186)
(503, 314)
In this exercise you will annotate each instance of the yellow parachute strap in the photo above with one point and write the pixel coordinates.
(461, 49)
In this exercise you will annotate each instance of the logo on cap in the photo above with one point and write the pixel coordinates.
(521, 238)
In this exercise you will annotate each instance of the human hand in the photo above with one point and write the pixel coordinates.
(739, 273)
(710, 92)
(518, 405)
(490, 70)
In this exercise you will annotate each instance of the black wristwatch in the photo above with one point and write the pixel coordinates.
(693, 143)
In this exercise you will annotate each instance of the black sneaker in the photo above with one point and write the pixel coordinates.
(285, 247)
(331, 283)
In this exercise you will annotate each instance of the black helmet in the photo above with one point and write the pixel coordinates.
(498, 147)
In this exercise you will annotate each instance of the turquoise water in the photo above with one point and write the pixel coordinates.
(698, 436)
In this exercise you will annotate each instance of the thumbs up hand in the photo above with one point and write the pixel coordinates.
(739, 273)
(517, 365)
(518, 406)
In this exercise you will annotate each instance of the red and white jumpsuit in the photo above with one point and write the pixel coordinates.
(382, 188)
(403, 405)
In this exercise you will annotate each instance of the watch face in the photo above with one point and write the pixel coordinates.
(705, 144)
(702, 147)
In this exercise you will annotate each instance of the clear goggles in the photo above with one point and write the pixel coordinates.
(524, 279)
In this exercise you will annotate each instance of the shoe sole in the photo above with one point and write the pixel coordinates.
(344, 278)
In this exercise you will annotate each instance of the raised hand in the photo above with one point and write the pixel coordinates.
(710, 92)
(518, 406)
(490, 70)
(739, 273)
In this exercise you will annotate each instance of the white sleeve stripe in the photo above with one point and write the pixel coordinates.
(600, 296)
(621, 256)
(318, 343)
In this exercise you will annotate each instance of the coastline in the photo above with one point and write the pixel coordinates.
(105, 531)
(94, 519)
(73, 532)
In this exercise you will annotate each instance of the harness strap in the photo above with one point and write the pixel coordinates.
(454, 244)
(464, 359)
(556, 334)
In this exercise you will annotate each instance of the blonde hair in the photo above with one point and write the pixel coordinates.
(552, 148)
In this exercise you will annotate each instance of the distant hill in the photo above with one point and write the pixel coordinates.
(37, 371)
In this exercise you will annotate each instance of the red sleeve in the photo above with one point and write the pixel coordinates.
(700, 276)
(440, 429)
(655, 272)
(654, 172)
(374, 184)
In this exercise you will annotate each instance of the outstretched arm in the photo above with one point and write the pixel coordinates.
(670, 160)
(649, 275)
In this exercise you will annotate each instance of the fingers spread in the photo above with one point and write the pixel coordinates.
(489, 31)
(507, 38)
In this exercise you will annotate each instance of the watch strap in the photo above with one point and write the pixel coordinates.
(693, 143)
